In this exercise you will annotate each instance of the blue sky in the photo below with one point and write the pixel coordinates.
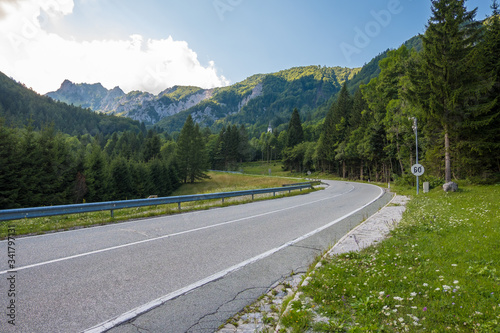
(152, 44)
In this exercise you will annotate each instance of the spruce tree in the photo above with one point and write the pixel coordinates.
(29, 194)
(447, 87)
(152, 146)
(244, 148)
(120, 179)
(335, 129)
(192, 159)
(200, 161)
(9, 168)
(96, 176)
(483, 138)
(184, 149)
(295, 133)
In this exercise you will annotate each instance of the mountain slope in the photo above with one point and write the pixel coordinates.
(262, 97)
(141, 106)
(20, 105)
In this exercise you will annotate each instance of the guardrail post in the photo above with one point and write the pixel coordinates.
(112, 214)
(179, 205)
(252, 196)
(223, 200)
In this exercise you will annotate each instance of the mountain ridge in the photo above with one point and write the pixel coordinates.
(209, 107)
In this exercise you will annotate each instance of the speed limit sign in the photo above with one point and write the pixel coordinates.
(417, 169)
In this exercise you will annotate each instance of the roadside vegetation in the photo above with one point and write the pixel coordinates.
(437, 272)
(218, 182)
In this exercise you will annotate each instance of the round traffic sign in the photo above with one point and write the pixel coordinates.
(417, 169)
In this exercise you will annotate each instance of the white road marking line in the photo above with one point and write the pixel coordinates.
(107, 325)
(170, 235)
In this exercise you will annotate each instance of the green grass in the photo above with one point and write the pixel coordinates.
(262, 168)
(219, 182)
(226, 182)
(438, 272)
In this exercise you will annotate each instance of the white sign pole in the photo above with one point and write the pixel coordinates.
(415, 128)
(416, 151)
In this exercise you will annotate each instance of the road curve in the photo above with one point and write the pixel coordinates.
(180, 273)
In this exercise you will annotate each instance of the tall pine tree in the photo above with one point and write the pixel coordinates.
(9, 168)
(448, 85)
(295, 133)
(192, 159)
(483, 138)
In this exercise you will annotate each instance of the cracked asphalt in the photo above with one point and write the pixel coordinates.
(206, 308)
(184, 273)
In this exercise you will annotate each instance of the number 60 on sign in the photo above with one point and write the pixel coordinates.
(417, 169)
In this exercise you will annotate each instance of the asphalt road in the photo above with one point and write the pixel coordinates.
(181, 273)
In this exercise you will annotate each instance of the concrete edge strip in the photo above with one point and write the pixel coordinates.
(127, 316)
(357, 227)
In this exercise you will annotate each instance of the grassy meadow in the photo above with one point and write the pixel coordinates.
(439, 271)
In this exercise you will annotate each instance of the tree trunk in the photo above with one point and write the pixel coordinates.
(361, 172)
(447, 162)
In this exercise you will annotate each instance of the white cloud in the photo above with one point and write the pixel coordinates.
(42, 60)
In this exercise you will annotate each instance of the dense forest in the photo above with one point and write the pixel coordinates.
(448, 79)
(450, 84)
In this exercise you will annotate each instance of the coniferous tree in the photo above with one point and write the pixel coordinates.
(9, 168)
(335, 131)
(295, 133)
(482, 140)
(448, 85)
(293, 154)
(111, 144)
(120, 179)
(29, 195)
(152, 146)
(192, 159)
(159, 178)
(343, 109)
(141, 183)
(200, 166)
(244, 148)
(96, 175)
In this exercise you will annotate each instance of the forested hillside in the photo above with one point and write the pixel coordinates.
(255, 102)
(450, 87)
(18, 105)
(52, 153)
(266, 98)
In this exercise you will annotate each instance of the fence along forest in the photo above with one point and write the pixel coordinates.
(53, 153)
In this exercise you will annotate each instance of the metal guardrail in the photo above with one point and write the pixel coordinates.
(22, 213)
